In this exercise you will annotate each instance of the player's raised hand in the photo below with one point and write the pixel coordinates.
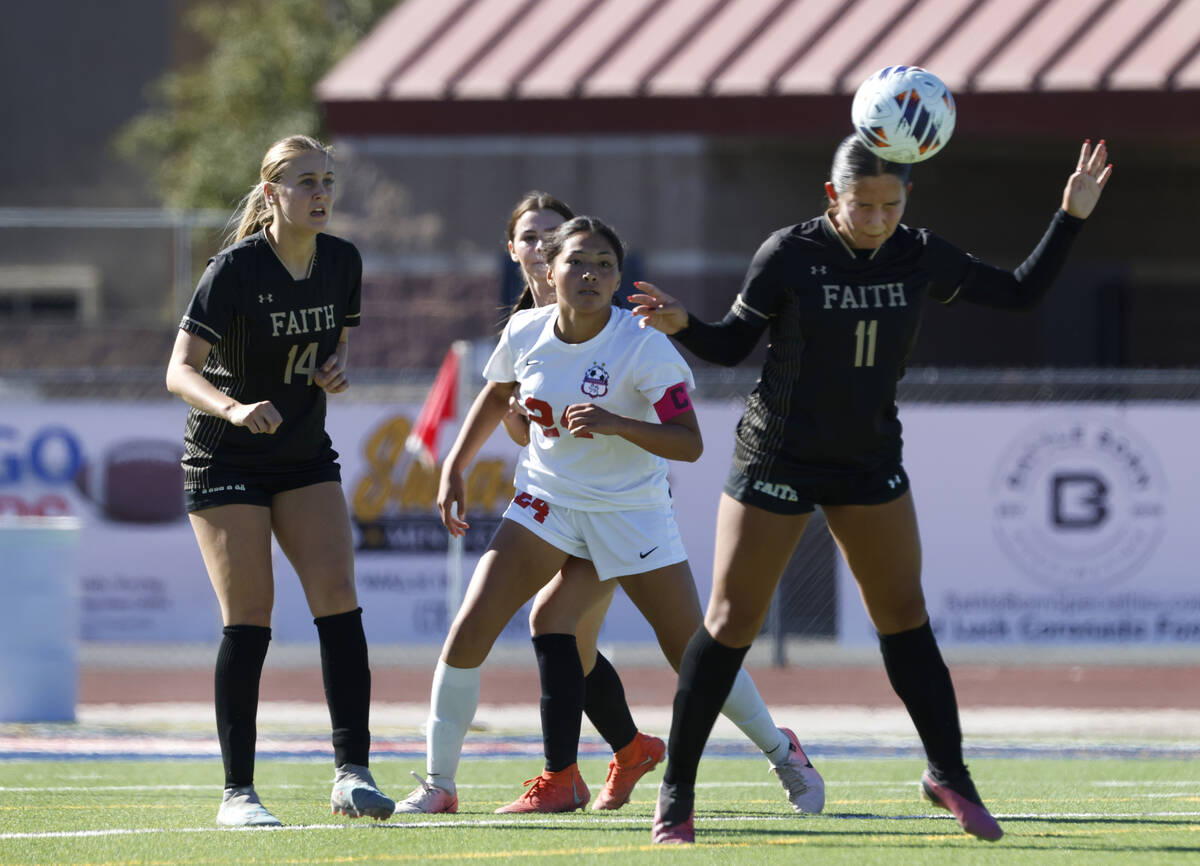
(1085, 184)
(256, 417)
(331, 377)
(658, 309)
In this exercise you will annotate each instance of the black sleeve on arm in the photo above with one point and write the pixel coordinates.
(726, 342)
(1023, 288)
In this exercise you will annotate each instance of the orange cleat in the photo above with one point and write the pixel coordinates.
(563, 791)
(622, 777)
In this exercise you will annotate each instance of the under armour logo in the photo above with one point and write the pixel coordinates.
(894, 482)
(818, 269)
(266, 298)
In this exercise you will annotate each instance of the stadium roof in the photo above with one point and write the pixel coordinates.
(764, 66)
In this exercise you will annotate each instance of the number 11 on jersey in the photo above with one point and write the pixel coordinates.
(864, 335)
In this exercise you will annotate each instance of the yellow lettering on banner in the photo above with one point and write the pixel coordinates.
(488, 483)
(419, 490)
(383, 450)
(490, 486)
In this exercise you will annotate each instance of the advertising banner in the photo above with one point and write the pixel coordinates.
(116, 467)
(1041, 525)
(1053, 525)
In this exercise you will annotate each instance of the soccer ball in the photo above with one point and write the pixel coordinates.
(903, 113)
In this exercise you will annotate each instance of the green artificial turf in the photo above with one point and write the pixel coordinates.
(161, 812)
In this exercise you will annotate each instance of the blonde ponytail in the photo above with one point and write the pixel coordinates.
(252, 214)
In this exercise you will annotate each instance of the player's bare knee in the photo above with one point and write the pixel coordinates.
(248, 614)
(730, 629)
(462, 651)
(469, 641)
(896, 617)
(331, 597)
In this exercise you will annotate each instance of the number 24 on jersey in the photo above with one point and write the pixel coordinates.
(541, 413)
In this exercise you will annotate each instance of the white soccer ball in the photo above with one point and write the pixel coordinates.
(903, 113)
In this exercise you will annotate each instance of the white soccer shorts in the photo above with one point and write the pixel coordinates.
(618, 543)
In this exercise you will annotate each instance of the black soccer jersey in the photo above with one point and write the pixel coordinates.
(842, 324)
(270, 334)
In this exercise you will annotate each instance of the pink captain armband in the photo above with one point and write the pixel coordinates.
(674, 402)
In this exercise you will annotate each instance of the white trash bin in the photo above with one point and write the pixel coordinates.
(39, 644)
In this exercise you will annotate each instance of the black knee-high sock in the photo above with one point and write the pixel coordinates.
(235, 680)
(922, 681)
(562, 698)
(347, 675)
(606, 707)
(706, 675)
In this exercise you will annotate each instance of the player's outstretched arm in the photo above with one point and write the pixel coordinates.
(658, 309)
(485, 413)
(1087, 182)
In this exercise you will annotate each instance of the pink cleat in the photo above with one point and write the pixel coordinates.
(966, 807)
(427, 799)
(672, 834)
(804, 786)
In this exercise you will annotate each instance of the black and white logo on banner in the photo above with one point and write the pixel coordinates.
(1078, 502)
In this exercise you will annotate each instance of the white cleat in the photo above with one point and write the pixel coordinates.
(427, 799)
(240, 807)
(804, 786)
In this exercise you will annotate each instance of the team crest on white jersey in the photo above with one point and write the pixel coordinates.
(595, 380)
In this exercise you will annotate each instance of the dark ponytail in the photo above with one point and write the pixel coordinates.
(853, 160)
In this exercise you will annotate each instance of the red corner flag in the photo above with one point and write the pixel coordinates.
(439, 406)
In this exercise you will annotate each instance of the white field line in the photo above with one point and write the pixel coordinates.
(498, 786)
(501, 786)
(546, 822)
(1125, 783)
(824, 723)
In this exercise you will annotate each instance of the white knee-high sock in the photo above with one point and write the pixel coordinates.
(452, 705)
(745, 708)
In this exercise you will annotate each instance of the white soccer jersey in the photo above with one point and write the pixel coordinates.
(624, 369)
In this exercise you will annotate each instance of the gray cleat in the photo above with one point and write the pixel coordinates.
(354, 794)
(240, 807)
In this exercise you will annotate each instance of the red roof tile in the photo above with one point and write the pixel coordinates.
(1033, 48)
(600, 29)
(777, 43)
(722, 58)
(1153, 60)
